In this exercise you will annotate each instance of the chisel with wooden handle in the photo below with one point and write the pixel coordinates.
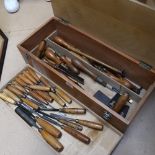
(50, 139)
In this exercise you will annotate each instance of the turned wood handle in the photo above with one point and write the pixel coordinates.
(52, 141)
(30, 77)
(57, 99)
(79, 65)
(44, 81)
(41, 88)
(33, 74)
(76, 134)
(71, 124)
(90, 124)
(63, 95)
(69, 64)
(15, 90)
(73, 110)
(41, 49)
(121, 102)
(45, 96)
(20, 82)
(19, 87)
(51, 55)
(61, 42)
(25, 79)
(36, 96)
(49, 128)
(7, 99)
(30, 103)
(11, 95)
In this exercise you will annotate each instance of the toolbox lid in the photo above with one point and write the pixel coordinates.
(3, 46)
(128, 26)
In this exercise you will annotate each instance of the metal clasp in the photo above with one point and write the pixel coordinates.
(107, 116)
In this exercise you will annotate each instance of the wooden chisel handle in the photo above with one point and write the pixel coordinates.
(15, 91)
(30, 103)
(73, 110)
(76, 134)
(52, 141)
(44, 81)
(33, 74)
(11, 95)
(7, 99)
(30, 77)
(121, 102)
(90, 124)
(26, 80)
(57, 99)
(20, 82)
(40, 50)
(49, 128)
(19, 87)
(38, 87)
(36, 96)
(45, 96)
(63, 95)
(71, 124)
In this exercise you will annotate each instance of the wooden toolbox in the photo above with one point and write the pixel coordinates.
(118, 33)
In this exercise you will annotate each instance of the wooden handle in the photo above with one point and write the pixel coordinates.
(50, 55)
(121, 102)
(38, 87)
(20, 82)
(25, 79)
(76, 134)
(30, 103)
(71, 124)
(57, 99)
(41, 49)
(49, 128)
(30, 77)
(90, 124)
(7, 99)
(11, 95)
(73, 110)
(44, 81)
(63, 95)
(33, 74)
(52, 141)
(79, 65)
(69, 64)
(45, 96)
(15, 91)
(36, 96)
(17, 86)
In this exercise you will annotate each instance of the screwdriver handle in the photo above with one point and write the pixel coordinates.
(38, 87)
(121, 102)
(7, 99)
(30, 103)
(73, 110)
(76, 134)
(11, 95)
(52, 141)
(57, 99)
(63, 95)
(90, 124)
(49, 128)
(15, 90)
(71, 124)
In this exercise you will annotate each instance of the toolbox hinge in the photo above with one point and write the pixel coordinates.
(145, 65)
(63, 21)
